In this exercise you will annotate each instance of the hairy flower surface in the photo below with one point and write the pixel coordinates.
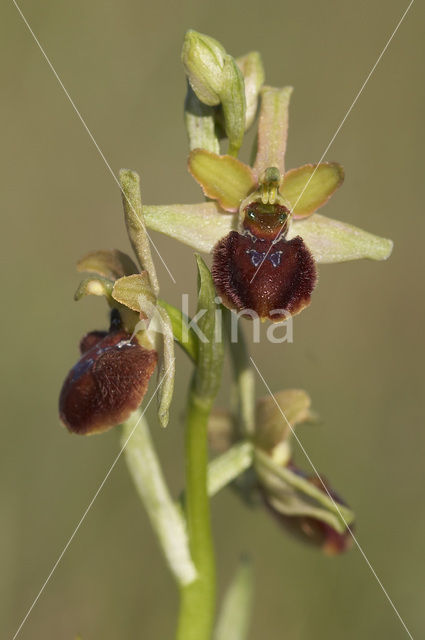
(108, 383)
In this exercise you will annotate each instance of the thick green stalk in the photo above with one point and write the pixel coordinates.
(198, 599)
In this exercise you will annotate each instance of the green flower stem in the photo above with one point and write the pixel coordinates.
(198, 599)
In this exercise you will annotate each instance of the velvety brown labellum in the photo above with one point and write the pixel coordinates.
(107, 384)
(274, 279)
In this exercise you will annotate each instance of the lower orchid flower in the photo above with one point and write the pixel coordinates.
(110, 380)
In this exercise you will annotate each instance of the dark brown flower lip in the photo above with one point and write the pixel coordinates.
(107, 384)
(272, 279)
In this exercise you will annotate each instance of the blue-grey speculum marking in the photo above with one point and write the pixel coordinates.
(258, 256)
(275, 258)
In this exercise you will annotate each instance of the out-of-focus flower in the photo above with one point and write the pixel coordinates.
(309, 529)
(303, 504)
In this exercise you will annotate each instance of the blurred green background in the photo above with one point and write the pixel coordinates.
(358, 350)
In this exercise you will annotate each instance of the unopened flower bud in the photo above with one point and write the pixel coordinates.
(203, 59)
(216, 79)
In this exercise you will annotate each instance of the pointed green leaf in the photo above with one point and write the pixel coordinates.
(334, 241)
(235, 613)
(130, 184)
(110, 263)
(272, 129)
(222, 178)
(200, 226)
(309, 187)
(130, 289)
(252, 69)
(94, 286)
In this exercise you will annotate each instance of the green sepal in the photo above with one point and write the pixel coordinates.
(252, 69)
(200, 226)
(272, 129)
(333, 241)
